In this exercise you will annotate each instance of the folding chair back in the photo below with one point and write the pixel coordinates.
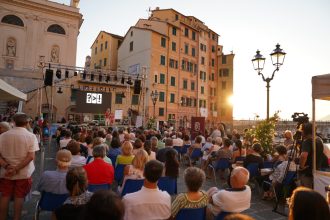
(196, 153)
(119, 173)
(96, 187)
(268, 164)
(113, 159)
(168, 184)
(49, 202)
(192, 214)
(222, 164)
(253, 169)
(184, 149)
(178, 149)
(239, 159)
(132, 185)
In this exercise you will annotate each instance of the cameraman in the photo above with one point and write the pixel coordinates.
(306, 156)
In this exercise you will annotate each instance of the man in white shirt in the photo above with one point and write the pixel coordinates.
(17, 152)
(177, 140)
(149, 203)
(235, 199)
(67, 138)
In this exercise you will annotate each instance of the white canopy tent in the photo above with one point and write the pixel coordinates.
(320, 90)
(10, 93)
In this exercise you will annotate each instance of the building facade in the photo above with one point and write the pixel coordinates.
(182, 61)
(104, 51)
(36, 35)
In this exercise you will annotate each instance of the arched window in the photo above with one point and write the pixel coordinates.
(55, 28)
(12, 19)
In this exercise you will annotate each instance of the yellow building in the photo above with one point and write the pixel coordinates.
(104, 51)
(182, 60)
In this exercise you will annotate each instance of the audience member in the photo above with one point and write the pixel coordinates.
(147, 147)
(194, 198)
(148, 203)
(254, 156)
(138, 144)
(162, 152)
(73, 206)
(77, 160)
(114, 149)
(171, 164)
(98, 171)
(54, 181)
(126, 155)
(234, 199)
(105, 158)
(4, 126)
(112, 207)
(306, 203)
(17, 152)
(66, 139)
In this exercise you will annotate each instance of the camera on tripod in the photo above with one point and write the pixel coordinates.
(300, 118)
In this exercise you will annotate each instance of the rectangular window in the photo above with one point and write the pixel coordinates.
(202, 60)
(95, 50)
(162, 78)
(200, 103)
(101, 47)
(201, 47)
(224, 85)
(173, 46)
(161, 96)
(192, 86)
(186, 48)
(119, 98)
(212, 76)
(104, 61)
(204, 104)
(195, 102)
(186, 32)
(185, 84)
(131, 46)
(176, 64)
(176, 17)
(131, 33)
(202, 89)
(224, 72)
(161, 112)
(193, 35)
(163, 42)
(213, 48)
(224, 59)
(135, 99)
(106, 45)
(172, 98)
(183, 66)
(100, 63)
(162, 60)
(172, 81)
(212, 62)
(174, 30)
(156, 79)
(193, 52)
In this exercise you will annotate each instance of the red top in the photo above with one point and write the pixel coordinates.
(99, 172)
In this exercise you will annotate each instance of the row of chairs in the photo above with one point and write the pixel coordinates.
(50, 201)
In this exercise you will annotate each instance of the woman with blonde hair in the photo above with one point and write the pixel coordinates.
(135, 171)
(126, 156)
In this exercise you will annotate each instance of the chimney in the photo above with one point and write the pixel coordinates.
(74, 3)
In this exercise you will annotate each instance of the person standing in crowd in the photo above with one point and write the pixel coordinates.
(4, 126)
(53, 181)
(162, 152)
(306, 156)
(17, 152)
(148, 203)
(77, 160)
(67, 138)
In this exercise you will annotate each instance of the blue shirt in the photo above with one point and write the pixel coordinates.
(53, 181)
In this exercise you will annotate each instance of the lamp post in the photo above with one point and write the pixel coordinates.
(258, 62)
(154, 97)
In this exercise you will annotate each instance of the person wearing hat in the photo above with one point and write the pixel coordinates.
(54, 181)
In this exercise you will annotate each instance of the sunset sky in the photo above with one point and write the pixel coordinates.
(301, 27)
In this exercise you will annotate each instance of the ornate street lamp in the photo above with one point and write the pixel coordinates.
(258, 62)
(154, 97)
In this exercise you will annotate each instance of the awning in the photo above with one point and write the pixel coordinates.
(10, 93)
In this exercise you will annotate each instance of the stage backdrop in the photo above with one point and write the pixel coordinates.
(93, 102)
(197, 126)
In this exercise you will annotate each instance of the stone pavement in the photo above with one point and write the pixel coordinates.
(260, 210)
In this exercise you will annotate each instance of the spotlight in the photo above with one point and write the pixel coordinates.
(84, 75)
(58, 73)
(108, 78)
(59, 90)
(92, 77)
(66, 74)
(129, 81)
(100, 78)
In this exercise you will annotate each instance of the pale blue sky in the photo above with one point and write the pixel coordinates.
(302, 27)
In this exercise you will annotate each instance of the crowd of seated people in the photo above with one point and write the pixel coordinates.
(91, 156)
